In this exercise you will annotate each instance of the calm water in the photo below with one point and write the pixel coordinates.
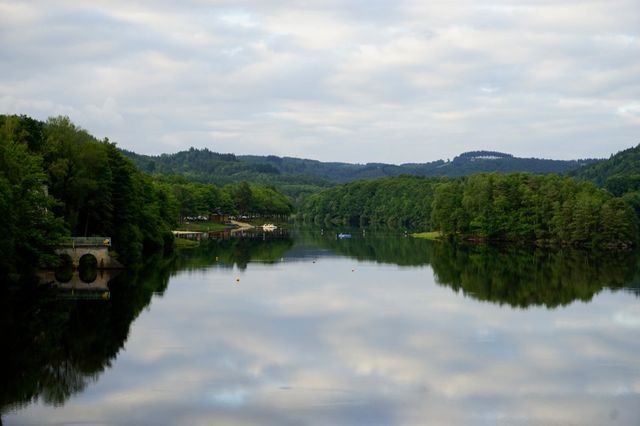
(307, 329)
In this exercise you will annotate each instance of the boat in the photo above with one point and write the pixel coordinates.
(269, 227)
(343, 236)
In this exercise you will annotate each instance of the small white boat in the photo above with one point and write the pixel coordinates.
(269, 227)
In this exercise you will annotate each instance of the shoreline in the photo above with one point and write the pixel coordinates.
(241, 226)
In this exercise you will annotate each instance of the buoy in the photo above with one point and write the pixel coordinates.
(353, 270)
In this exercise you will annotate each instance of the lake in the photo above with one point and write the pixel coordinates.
(302, 328)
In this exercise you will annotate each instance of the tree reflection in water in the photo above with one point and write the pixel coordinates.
(512, 275)
(53, 347)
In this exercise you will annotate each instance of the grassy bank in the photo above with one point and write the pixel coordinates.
(202, 226)
(181, 243)
(433, 235)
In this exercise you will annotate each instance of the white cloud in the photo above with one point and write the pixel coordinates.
(328, 79)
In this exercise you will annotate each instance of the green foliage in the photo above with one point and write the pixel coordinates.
(298, 178)
(268, 201)
(522, 207)
(517, 207)
(432, 236)
(620, 175)
(204, 226)
(624, 165)
(404, 201)
(207, 167)
(56, 179)
(28, 226)
(200, 200)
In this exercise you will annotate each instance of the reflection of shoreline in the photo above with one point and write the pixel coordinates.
(374, 317)
(100, 283)
(241, 226)
(61, 340)
(517, 276)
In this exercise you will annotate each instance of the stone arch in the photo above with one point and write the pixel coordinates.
(88, 268)
(64, 271)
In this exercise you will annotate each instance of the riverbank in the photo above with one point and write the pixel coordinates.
(242, 226)
(203, 227)
(433, 236)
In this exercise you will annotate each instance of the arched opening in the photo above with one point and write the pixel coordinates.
(64, 271)
(88, 268)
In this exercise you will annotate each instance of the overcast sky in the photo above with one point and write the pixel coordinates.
(358, 81)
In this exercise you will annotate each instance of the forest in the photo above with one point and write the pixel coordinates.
(620, 175)
(518, 207)
(57, 180)
(297, 177)
(403, 202)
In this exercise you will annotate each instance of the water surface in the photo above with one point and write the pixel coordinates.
(308, 329)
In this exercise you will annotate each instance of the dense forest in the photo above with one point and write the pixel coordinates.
(514, 207)
(56, 180)
(523, 207)
(620, 175)
(298, 177)
(209, 167)
(403, 201)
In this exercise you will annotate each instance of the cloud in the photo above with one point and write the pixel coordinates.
(358, 81)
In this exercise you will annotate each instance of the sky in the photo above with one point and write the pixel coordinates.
(355, 81)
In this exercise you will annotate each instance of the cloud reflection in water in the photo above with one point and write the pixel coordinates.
(315, 343)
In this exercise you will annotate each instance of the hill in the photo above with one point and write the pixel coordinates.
(620, 175)
(297, 176)
(204, 166)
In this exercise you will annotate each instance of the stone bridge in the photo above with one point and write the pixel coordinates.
(77, 249)
(98, 247)
(103, 258)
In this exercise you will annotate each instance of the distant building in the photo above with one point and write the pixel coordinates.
(219, 218)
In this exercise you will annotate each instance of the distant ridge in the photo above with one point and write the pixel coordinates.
(296, 175)
(623, 163)
(620, 175)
